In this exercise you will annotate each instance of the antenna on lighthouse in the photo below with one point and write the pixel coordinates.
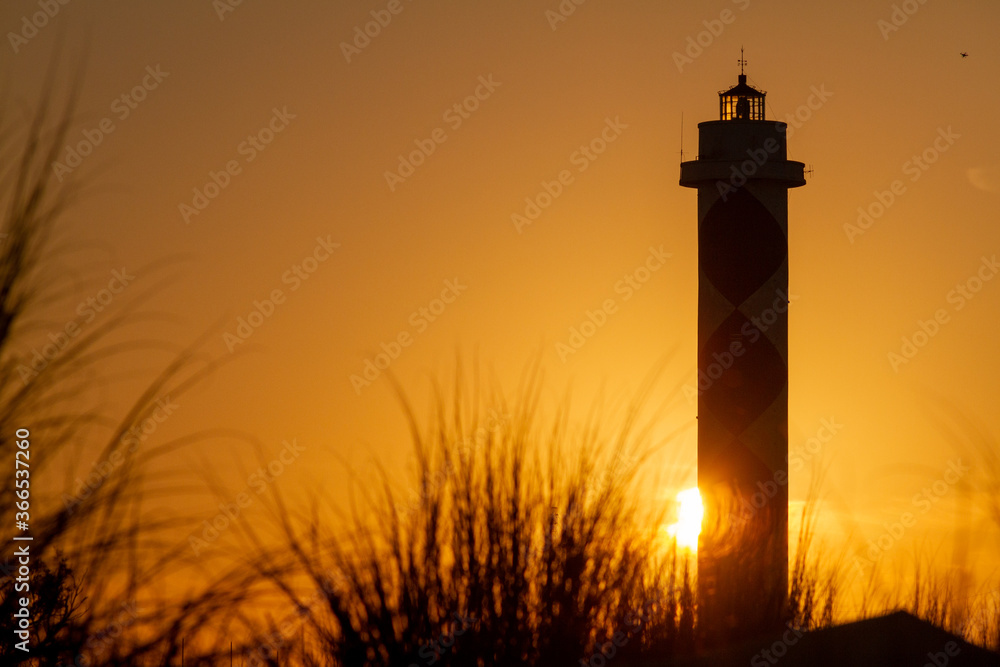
(743, 61)
(682, 136)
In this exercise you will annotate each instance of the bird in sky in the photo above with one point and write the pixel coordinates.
(964, 54)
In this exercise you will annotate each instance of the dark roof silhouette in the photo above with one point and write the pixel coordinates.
(742, 89)
(896, 639)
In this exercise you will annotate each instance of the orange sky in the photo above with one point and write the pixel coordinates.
(500, 100)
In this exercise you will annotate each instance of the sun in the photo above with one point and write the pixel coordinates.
(689, 515)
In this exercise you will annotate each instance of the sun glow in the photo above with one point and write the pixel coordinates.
(689, 515)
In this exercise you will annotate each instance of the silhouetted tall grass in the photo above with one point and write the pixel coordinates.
(526, 545)
(522, 540)
(99, 557)
(815, 578)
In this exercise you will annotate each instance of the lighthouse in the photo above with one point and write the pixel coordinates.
(742, 176)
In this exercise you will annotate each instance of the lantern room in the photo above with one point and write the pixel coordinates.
(741, 102)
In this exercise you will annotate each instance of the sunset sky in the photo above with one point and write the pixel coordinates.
(384, 187)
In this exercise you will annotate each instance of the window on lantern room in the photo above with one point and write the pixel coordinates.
(736, 108)
(728, 108)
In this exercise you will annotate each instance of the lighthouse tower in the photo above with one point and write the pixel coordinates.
(742, 176)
